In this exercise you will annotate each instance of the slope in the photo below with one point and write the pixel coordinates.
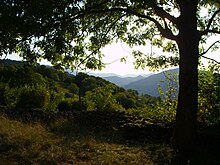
(122, 81)
(150, 84)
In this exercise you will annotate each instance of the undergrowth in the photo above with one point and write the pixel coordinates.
(67, 142)
(96, 138)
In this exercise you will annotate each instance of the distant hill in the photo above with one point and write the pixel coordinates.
(11, 62)
(96, 74)
(14, 62)
(150, 84)
(115, 78)
(122, 81)
(102, 75)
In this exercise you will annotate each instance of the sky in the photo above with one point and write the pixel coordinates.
(114, 52)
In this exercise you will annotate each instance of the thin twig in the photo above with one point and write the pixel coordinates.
(200, 55)
(218, 62)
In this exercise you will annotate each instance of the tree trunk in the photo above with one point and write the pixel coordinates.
(188, 42)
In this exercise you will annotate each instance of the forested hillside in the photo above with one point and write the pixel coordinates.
(46, 88)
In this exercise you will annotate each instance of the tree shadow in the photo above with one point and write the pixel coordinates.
(208, 146)
(118, 128)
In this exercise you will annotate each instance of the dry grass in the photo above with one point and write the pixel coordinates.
(63, 144)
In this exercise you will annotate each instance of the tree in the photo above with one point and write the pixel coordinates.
(72, 32)
(127, 100)
(79, 82)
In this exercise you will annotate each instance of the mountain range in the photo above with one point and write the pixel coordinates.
(123, 81)
(145, 85)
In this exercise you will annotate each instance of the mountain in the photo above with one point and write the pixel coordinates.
(11, 62)
(122, 81)
(103, 75)
(106, 75)
(96, 74)
(115, 78)
(150, 84)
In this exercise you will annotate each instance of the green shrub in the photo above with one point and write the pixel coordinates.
(8, 96)
(55, 99)
(163, 112)
(102, 99)
(69, 104)
(33, 97)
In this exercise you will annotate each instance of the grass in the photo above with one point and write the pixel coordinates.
(64, 142)
(94, 138)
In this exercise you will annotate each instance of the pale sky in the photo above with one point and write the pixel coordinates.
(113, 53)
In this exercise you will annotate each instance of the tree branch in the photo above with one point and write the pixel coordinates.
(165, 32)
(213, 31)
(207, 30)
(211, 59)
(2, 60)
(163, 14)
(202, 54)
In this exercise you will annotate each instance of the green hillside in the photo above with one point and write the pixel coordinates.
(46, 88)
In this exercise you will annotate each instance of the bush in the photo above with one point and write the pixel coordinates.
(55, 99)
(69, 104)
(65, 105)
(8, 96)
(35, 96)
(163, 112)
(102, 99)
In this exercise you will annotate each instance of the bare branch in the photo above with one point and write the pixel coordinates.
(212, 18)
(207, 30)
(202, 54)
(213, 31)
(109, 63)
(218, 62)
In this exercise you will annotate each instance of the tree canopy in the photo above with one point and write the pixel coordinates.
(70, 33)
